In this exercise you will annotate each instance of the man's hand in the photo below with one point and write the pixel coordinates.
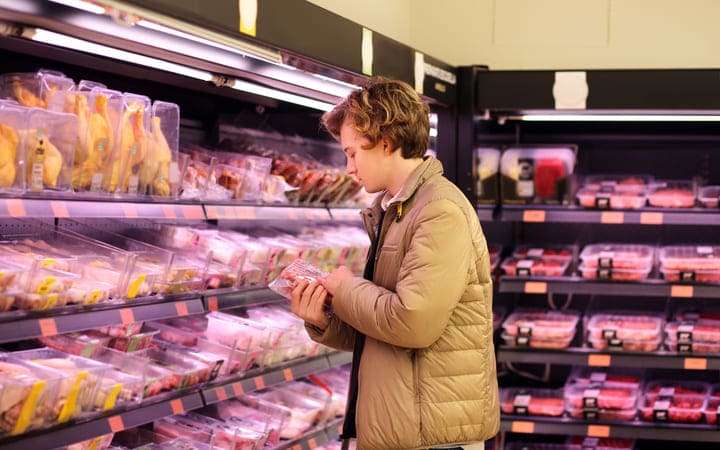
(334, 278)
(307, 302)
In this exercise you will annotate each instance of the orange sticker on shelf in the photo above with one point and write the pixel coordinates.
(521, 426)
(212, 212)
(181, 308)
(682, 291)
(169, 212)
(193, 212)
(651, 218)
(288, 374)
(15, 207)
(129, 210)
(695, 364)
(116, 424)
(238, 389)
(600, 431)
(312, 443)
(612, 217)
(533, 215)
(59, 209)
(246, 212)
(259, 382)
(126, 316)
(535, 287)
(599, 360)
(212, 304)
(177, 406)
(221, 394)
(48, 327)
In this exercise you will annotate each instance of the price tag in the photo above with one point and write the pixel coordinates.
(129, 210)
(601, 431)
(194, 212)
(288, 374)
(212, 213)
(181, 308)
(535, 287)
(116, 424)
(177, 406)
(612, 217)
(599, 360)
(259, 382)
(521, 426)
(48, 327)
(292, 215)
(127, 316)
(695, 364)
(533, 215)
(651, 218)
(309, 214)
(169, 212)
(312, 443)
(15, 207)
(221, 394)
(681, 291)
(238, 389)
(59, 209)
(246, 212)
(212, 304)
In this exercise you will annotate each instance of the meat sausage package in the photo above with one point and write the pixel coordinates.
(297, 270)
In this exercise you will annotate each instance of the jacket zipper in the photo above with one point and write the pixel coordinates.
(416, 386)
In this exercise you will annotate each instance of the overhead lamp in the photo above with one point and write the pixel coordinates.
(83, 5)
(257, 89)
(57, 39)
(617, 117)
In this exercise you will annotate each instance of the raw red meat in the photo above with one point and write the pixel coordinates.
(672, 198)
(606, 414)
(547, 173)
(537, 267)
(537, 406)
(606, 398)
(685, 409)
(615, 274)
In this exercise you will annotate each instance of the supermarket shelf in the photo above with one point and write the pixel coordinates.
(314, 438)
(233, 298)
(645, 216)
(578, 285)
(18, 325)
(485, 212)
(633, 430)
(346, 214)
(261, 212)
(76, 432)
(590, 357)
(97, 208)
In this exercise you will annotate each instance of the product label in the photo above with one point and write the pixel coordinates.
(686, 276)
(598, 378)
(135, 285)
(590, 398)
(525, 184)
(93, 297)
(133, 185)
(602, 197)
(70, 405)
(521, 404)
(47, 263)
(684, 347)
(535, 252)
(111, 399)
(615, 343)
(705, 250)
(96, 185)
(604, 273)
(523, 268)
(45, 285)
(685, 332)
(660, 410)
(590, 413)
(524, 331)
(36, 177)
(605, 259)
(666, 392)
(609, 333)
(522, 341)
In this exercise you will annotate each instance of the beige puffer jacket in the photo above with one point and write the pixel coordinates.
(427, 374)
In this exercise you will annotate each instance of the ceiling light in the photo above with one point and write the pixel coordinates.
(252, 88)
(618, 117)
(81, 4)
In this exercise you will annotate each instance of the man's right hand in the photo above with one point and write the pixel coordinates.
(307, 302)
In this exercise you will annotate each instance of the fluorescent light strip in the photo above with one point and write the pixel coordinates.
(80, 4)
(244, 86)
(433, 132)
(619, 118)
(190, 37)
(52, 38)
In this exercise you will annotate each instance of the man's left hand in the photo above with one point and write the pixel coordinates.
(332, 281)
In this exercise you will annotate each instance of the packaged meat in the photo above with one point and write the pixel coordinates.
(78, 390)
(97, 443)
(533, 402)
(486, 166)
(690, 257)
(595, 414)
(138, 341)
(86, 344)
(186, 372)
(172, 427)
(621, 378)
(28, 395)
(224, 434)
(586, 443)
(708, 196)
(600, 397)
(160, 172)
(672, 194)
(611, 197)
(305, 411)
(119, 390)
(131, 147)
(560, 252)
(696, 276)
(12, 120)
(713, 405)
(536, 342)
(636, 327)
(124, 330)
(618, 256)
(49, 147)
(235, 331)
(274, 418)
(636, 182)
(669, 388)
(498, 315)
(536, 174)
(548, 267)
(698, 330)
(630, 345)
(613, 274)
(668, 401)
(542, 324)
(692, 346)
(156, 379)
(84, 292)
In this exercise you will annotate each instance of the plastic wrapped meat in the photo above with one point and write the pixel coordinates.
(690, 257)
(708, 196)
(625, 326)
(546, 324)
(549, 267)
(560, 252)
(713, 405)
(609, 273)
(533, 402)
(700, 330)
(86, 344)
(272, 419)
(670, 401)
(673, 195)
(618, 256)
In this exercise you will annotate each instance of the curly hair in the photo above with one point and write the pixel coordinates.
(384, 109)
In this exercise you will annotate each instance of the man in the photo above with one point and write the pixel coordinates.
(420, 321)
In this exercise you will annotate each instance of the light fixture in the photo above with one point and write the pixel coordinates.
(57, 39)
(690, 117)
(83, 5)
(252, 88)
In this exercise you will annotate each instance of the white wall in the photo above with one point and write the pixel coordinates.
(549, 34)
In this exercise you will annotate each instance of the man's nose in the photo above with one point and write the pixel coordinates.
(350, 167)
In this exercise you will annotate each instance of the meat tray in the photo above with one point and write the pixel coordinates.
(672, 194)
(672, 401)
(618, 256)
(548, 267)
(542, 324)
(708, 196)
(533, 402)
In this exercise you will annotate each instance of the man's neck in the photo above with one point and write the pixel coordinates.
(403, 169)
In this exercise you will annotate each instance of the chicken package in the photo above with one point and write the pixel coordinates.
(708, 196)
(542, 251)
(49, 141)
(315, 392)
(544, 267)
(13, 119)
(625, 331)
(119, 389)
(131, 146)
(186, 371)
(42, 89)
(267, 423)
(304, 412)
(13, 282)
(532, 402)
(98, 113)
(46, 289)
(225, 435)
(235, 331)
(540, 329)
(253, 170)
(296, 271)
(536, 174)
(674, 401)
(215, 356)
(78, 390)
(97, 443)
(28, 395)
(198, 177)
(160, 171)
(672, 194)
(486, 166)
(155, 378)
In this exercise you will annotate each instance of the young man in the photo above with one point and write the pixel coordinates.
(420, 321)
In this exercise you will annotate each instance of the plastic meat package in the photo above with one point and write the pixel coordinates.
(532, 402)
(611, 394)
(537, 174)
(708, 196)
(674, 401)
(625, 331)
(614, 191)
(696, 263)
(672, 194)
(540, 329)
(295, 271)
(486, 166)
(548, 267)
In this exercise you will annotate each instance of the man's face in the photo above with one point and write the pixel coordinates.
(371, 165)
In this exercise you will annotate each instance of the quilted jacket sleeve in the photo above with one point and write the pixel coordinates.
(431, 280)
(337, 335)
